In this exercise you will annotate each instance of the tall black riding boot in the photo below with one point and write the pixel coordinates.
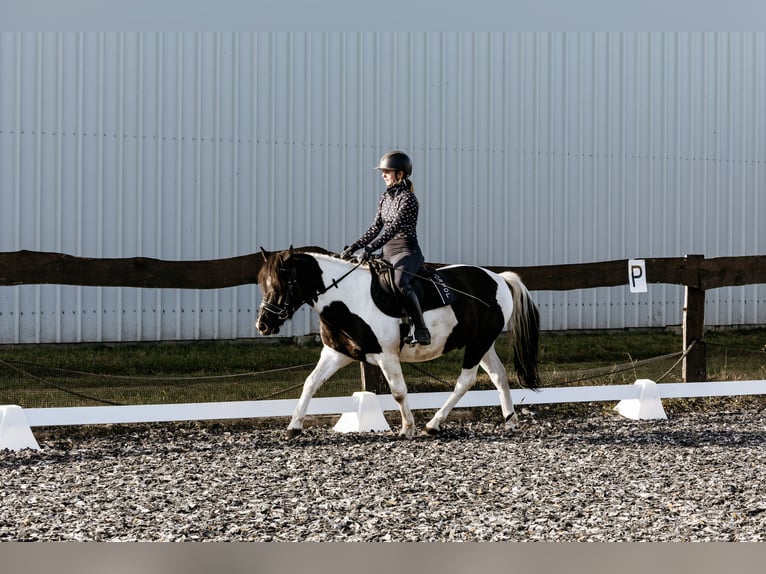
(422, 335)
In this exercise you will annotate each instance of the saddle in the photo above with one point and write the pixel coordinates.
(428, 283)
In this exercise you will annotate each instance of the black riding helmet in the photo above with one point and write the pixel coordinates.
(397, 161)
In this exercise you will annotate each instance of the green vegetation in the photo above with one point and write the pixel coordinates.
(90, 374)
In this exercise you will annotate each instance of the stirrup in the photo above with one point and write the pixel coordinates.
(421, 336)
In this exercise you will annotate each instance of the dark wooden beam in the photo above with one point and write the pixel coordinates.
(35, 268)
(732, 271)
(31, 267)
(694, 367)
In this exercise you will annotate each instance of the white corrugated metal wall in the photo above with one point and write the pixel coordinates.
(529, 149)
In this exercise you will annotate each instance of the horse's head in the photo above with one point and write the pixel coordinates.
(278, 281)
(288, 279)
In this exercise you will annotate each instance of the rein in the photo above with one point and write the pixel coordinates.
(334, 282)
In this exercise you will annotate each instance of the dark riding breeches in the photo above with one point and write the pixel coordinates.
(405, 266)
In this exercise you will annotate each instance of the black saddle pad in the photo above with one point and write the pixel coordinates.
(428, 283)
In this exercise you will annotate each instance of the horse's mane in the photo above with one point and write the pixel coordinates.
(272, 264)
(313, 249)
(322, 253)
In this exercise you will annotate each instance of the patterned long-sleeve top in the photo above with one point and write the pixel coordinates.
(395, 222)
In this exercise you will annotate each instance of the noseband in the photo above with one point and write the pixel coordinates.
(276, 310)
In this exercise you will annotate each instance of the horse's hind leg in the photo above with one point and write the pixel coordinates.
(494, 367)
(330, 361)
(465, 381)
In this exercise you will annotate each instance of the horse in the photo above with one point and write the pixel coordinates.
(354, 328)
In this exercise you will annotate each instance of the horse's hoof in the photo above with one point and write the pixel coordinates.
(511, 422)
(290, 434)
(430, 432)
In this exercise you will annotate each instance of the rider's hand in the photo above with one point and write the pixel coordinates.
(348, 253)
(364, 255)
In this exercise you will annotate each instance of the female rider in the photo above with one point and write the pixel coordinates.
(393, 229)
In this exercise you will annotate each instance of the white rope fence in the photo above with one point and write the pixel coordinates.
(362, 412)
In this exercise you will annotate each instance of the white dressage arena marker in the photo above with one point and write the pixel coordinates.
(637, 276)
(368, 416)
(15, 433)
(647, 406)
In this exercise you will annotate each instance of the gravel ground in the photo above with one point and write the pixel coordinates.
(693, 477)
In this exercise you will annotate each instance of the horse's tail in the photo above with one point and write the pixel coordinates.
(525, 331)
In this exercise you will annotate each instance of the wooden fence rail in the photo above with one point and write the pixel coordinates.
(695, 272)
(36, 267)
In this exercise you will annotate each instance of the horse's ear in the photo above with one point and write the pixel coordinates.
(265, 254)
(290, 251)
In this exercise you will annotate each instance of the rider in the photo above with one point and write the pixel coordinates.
(393, 229)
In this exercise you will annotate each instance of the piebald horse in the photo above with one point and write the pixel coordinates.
(354, 328)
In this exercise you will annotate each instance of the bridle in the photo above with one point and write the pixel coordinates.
(286, 309)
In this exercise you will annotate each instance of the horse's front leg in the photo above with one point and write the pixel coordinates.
(392, 370)
(330, 361)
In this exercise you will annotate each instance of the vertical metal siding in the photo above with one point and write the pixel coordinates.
(531, 148)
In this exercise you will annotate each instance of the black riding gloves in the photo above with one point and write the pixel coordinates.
(364, 255)
(348, 253)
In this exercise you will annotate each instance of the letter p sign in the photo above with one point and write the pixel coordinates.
(637, 275)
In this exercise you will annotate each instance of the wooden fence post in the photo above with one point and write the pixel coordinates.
(373, 380)
(694, 368)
